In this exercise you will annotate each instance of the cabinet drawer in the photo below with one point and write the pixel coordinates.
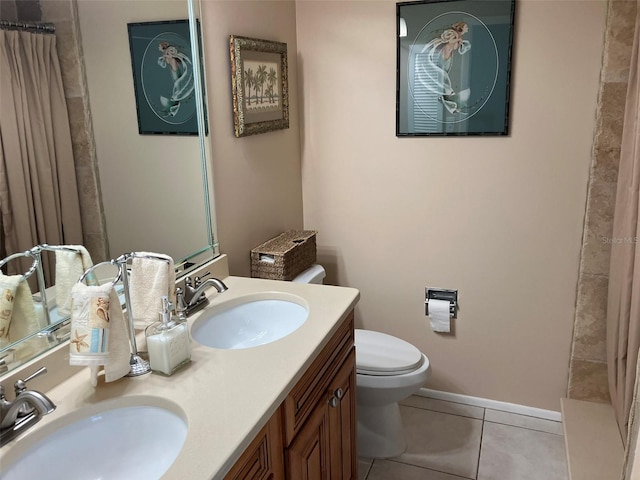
(314, 384)
(262, 460)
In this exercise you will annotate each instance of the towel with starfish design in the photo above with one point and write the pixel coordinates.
(98, 332)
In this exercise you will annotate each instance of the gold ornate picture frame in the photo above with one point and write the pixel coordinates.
(259, 85)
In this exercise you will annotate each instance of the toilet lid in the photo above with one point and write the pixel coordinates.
(381, 354)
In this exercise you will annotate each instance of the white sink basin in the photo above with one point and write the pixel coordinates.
(250, 321)
(131, 437)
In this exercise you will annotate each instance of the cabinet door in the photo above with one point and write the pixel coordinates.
(342, 422)
(312, 387)
(308, 454)
(263, 459)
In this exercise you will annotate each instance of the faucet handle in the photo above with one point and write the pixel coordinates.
(181, 304)
(20, 385)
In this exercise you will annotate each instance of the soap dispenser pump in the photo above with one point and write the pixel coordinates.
(168, 341)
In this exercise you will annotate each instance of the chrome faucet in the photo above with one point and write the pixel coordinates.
(25, 411)
(193, 297)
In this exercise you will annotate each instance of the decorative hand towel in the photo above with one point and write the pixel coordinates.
(98, 332)
(69, 267)
(151, 278)
(17, 310)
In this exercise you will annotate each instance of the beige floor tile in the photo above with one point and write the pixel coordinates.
(524, 421)
(364, 465)
(388, 470)
(518, 453)
(439, 441)
(444, 406)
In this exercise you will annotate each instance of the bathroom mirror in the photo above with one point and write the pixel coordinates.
(155, 191)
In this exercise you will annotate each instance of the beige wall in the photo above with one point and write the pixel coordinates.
(500, 219)
(257, 179)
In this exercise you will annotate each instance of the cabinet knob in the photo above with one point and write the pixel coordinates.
(338, 393)
(333, 402)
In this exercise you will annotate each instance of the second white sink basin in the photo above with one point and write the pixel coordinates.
(133, 437)
(250, 321)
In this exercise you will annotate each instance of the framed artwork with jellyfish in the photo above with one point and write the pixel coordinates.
(163, 79)
(453, 67)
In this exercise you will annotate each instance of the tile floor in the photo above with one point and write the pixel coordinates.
(451, 441)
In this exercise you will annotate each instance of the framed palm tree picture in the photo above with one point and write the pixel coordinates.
(259, 85)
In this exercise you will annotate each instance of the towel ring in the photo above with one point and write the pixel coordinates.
(33, 253)
(65, 248)
(90, 270)
(127, 256)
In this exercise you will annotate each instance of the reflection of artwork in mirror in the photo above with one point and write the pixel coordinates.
(453, 67)
(259, 85)
(163, 77)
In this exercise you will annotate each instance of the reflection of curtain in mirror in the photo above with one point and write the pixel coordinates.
(38, 189)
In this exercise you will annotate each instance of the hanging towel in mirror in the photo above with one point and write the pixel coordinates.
(70, 266)
(98, 332)
(18, 317)
(151, 278)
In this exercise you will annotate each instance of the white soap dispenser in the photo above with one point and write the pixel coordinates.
(168, 342)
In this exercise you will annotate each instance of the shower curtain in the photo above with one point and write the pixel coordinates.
(38, 187)
(623, 308)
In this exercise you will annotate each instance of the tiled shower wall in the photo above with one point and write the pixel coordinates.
(63, 14)
(588, 364)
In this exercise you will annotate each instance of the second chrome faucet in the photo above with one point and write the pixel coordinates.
(193, 297)
(25, 411)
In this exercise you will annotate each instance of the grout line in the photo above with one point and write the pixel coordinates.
(369, 469)
(524, 415)
(480, 449)
(445, 413)
(488, 403)
(394, 460)
(525, 428)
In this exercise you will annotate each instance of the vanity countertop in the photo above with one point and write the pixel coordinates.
(226, 395)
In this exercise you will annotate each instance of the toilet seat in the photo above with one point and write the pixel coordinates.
(380, 354)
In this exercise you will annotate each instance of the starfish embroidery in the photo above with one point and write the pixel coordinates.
(79, 341)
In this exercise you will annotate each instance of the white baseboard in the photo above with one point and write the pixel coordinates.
(492, 404)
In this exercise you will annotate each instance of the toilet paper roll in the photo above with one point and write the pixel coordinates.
(439, 315)
(267, 258)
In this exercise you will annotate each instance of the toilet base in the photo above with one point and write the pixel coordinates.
(380, 433)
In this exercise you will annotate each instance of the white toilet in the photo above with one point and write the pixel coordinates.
(388, 370)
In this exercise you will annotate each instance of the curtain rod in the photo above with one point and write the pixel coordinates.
(39, 27)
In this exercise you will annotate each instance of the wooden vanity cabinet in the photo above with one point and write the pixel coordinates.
(263, 459)
(324, 448)
(317, 422)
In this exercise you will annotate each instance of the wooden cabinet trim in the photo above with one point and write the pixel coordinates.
(263, 458)
(312, 387)
(342, 422)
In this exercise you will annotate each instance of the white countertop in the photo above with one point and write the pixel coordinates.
(226, 395)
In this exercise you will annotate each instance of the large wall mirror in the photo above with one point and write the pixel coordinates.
(144, 192)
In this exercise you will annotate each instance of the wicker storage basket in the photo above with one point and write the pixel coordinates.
(285, 256)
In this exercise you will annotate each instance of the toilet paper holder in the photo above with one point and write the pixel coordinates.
(442, 294)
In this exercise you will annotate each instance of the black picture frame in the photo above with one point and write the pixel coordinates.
(164, 86)
(453, 67)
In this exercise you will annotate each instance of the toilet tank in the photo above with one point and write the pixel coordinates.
(313, 274)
